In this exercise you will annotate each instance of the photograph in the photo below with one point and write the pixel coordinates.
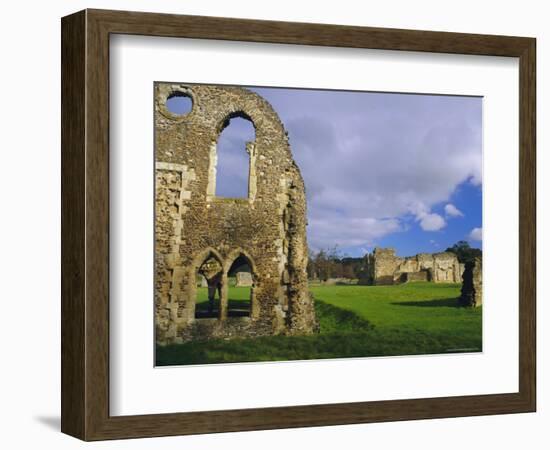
(298, 223)
(268, 226)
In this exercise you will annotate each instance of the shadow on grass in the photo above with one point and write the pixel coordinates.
(238, 308)
(235, 308)
(445, 302)
(337, 320)
(344, 334)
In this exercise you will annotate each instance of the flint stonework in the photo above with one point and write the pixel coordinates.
(198, 233)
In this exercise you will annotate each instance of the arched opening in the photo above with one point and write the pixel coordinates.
(179, 103)
(233, 158)
(209, 279)
(241, 287)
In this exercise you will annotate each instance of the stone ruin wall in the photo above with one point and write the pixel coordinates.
(385, 264)
(243, 279)
(193, 225)
(383, 267)
(471, 293)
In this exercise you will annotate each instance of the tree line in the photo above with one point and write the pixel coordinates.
(328, 263)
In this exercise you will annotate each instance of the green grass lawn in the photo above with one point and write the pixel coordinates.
(355, 321)
(239, 299)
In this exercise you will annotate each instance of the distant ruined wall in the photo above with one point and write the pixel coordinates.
(193, 225)
(243, 279)
(407, 277)
(385, 265)
(471, 293)
(446, 268)
(385, 268)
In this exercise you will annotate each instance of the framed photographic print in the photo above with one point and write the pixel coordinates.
(272, 224)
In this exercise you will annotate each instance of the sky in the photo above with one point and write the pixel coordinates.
(380, 169)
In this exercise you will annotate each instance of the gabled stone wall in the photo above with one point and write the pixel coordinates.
(193, 225)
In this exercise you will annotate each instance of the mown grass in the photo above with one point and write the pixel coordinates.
(426, 307)
(355, 321)
(239, 297)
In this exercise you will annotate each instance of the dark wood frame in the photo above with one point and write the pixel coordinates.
(85, 224)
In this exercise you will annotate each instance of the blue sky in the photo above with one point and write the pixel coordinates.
(380, 169)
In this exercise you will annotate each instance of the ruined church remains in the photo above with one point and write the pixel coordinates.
(200, 235)
(472, 284)
(243, 279)
(383, 267)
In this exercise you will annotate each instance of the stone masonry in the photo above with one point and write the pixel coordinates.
(384, 267)
(200, 234)
(243, 279)
(471, 293)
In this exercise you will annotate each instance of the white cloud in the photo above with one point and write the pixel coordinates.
(345, 232)
(452, 211)
(428, 221)
(475, 234)
(370, 162)
(432, 222)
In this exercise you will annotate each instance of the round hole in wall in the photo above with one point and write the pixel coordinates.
(179, 103)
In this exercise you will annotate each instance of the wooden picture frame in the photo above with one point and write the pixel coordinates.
(85, 224)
